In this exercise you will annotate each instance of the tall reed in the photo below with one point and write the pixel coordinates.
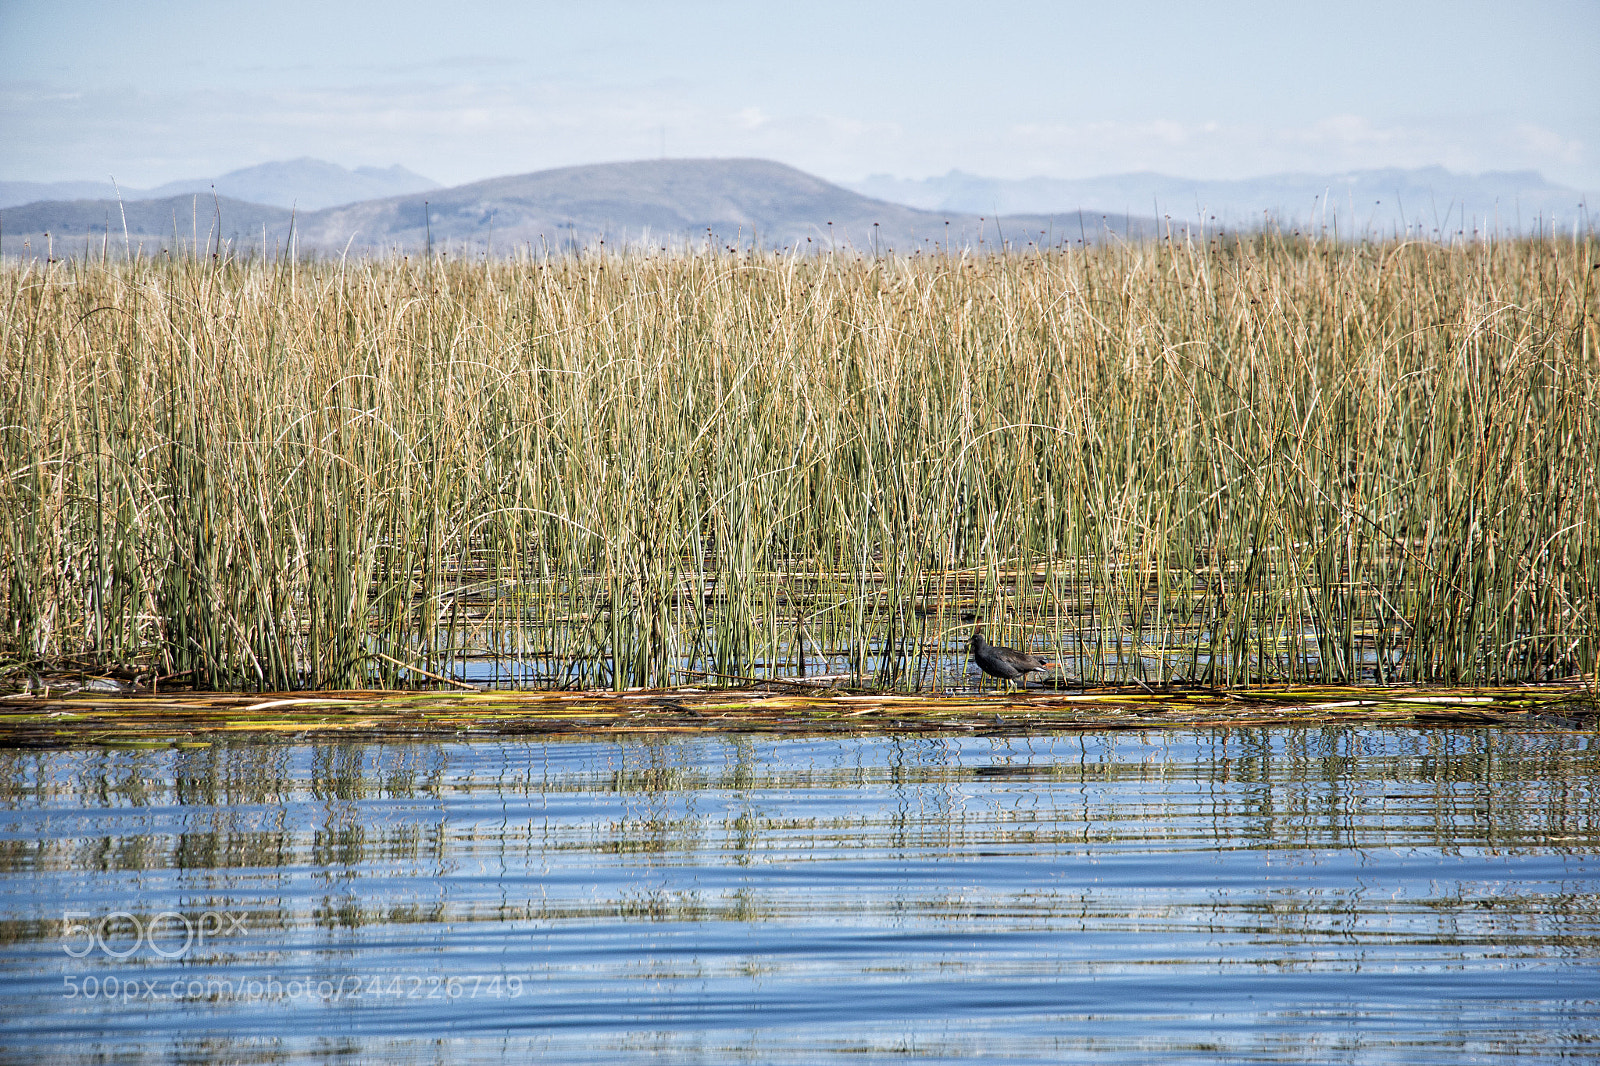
(1230, 461)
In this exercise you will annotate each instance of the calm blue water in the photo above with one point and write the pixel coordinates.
(1250, 896)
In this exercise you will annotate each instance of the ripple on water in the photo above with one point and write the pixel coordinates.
(1322, 895)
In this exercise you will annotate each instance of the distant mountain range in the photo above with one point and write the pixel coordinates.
(307, 184)
(655, 203)
(664, 203)
(1359, 202)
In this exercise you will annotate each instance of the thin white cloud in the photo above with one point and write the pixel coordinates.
(461, 130)
(453, 132)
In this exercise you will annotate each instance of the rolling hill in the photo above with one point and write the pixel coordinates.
(649, 204)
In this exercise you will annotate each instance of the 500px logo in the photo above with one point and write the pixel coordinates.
(169, 934)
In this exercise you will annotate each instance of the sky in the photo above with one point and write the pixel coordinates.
(156, 91)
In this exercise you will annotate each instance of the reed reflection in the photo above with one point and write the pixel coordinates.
(443, 828)
(697, 886)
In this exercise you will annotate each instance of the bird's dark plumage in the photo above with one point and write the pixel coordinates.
(1008, 664)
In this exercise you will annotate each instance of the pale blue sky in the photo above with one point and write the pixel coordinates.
(151, 92)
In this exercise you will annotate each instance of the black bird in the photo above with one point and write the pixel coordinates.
(1008, 664)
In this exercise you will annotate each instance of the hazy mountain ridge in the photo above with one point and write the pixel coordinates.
(1359, 201)
(734, 200)
(193, 220)
(304, 183)
(656, 203)
(666, 202)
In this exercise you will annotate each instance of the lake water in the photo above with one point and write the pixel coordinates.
(1295, 895)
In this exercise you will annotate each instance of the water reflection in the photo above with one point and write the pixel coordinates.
(1303, 895)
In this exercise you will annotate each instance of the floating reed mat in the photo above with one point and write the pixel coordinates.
(33, 721)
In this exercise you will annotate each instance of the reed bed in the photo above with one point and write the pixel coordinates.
(1230, 461)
